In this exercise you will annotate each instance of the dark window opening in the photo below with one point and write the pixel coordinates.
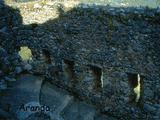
(69, 68)
(47, 56)
(98, 76)
(136, 87)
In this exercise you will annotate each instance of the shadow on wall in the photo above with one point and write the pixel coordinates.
(121, 38)
(97, 30)
(97, 36)
(114, 37)
(10, 20)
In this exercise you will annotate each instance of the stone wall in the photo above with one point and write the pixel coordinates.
(96, 53)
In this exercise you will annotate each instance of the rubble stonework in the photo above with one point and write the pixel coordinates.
(92, 50)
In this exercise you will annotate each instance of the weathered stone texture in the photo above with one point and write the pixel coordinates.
(116, 41)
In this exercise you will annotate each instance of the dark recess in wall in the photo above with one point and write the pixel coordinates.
(47, 56)
(97, 72)
(133, 82)
(69, 68)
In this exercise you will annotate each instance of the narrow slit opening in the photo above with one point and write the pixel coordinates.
(98, 77)
(69, 68)
(47, 56)
(136, 85)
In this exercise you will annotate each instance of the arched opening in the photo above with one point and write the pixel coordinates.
(25, 53)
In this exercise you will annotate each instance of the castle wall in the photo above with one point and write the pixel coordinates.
(88, 47)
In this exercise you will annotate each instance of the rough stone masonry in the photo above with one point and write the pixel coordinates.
(106, 56)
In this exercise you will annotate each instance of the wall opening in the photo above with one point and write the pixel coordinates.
(136, 87)
(98, 77)
(68, 67)
(46, 56)
(25, 53)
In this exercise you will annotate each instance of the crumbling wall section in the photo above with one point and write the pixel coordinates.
(90, 50)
